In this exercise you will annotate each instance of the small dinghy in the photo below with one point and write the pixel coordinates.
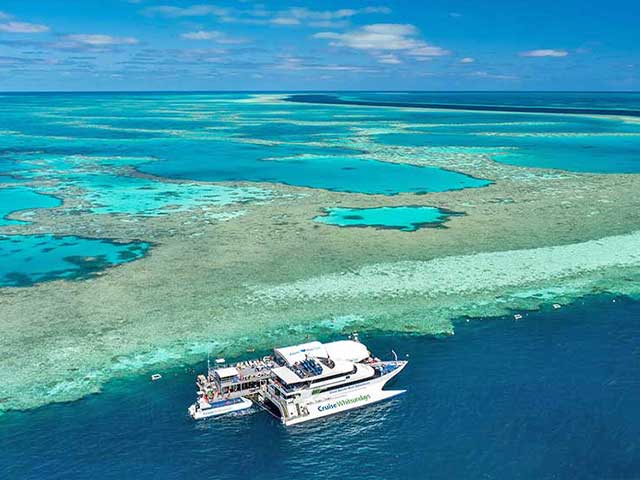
(205, 408)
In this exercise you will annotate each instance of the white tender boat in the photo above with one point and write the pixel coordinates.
(299, 383)
(205, 409)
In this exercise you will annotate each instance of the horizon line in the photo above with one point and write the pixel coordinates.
(9, 92)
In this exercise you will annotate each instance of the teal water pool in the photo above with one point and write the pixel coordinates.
(331, 170)
(29, 259)
(407, 218)
(15, 199)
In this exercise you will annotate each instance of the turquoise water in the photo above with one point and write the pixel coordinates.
(336, 172)
(209, 138)
(9, 179)
(552, 396)
(22, 198)
(29, 259)
(597, 154)
(407, 219)
(114, 194)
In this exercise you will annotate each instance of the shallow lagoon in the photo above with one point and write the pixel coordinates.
(341, 174)
(337, 172)
(15, 199)
(29, 259)
(407, 219)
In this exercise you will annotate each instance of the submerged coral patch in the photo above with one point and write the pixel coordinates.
(117, 194)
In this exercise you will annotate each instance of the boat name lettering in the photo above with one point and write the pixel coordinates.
(342, 403)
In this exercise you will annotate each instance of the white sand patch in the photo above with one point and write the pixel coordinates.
(464, 275)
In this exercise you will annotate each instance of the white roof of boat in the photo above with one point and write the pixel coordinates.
(341, 350)
(226, 372)
(290, 377)
(297, 353)
(286, 375)
(347, 350)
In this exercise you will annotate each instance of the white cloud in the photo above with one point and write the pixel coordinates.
(385, 37)
(218, 37)
(298, 64)
(99, 40)
(389, 59)
(23, 27)
(305, 13)
(544, 52)
(329, 23)
(320, 18)
(497, 76)
(259, 15)
(285, 21)
(192, 11)
(467, 60)
(4, 16)
(200, 35)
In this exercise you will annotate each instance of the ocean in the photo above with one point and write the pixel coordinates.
(553, 395)
(140, 231)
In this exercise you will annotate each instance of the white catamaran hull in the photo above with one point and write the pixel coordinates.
(348, 398)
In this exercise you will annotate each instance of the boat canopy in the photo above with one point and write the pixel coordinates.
(298, 353)
(226, 372)
(288, 376)
(348, 350)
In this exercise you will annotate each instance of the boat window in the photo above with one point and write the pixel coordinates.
(342, 385)
(355, 369)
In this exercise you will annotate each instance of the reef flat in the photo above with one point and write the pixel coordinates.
(251, 268)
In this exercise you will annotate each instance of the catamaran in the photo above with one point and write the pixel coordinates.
(299, 383)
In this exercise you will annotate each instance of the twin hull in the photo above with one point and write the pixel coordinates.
(340, 400)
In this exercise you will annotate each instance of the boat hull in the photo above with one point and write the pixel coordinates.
(218, 408)
(349, 398)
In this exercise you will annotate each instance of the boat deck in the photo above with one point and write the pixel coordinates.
(247, 371)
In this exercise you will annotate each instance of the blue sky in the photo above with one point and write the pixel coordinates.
(327, 45)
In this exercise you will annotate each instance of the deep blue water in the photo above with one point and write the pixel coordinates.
(527, 123)
(600, 103)
(554, 395)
